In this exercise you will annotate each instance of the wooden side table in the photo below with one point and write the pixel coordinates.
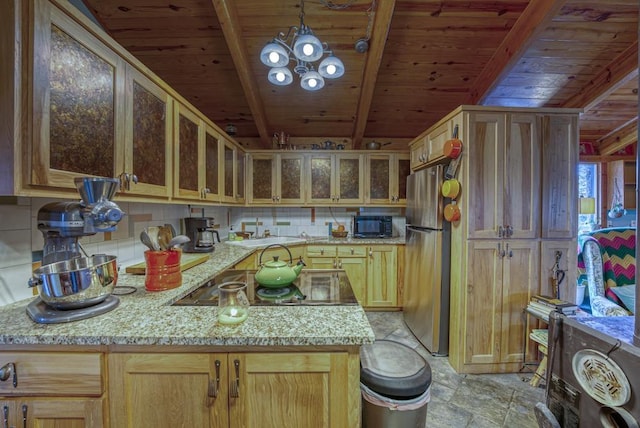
(541, 337)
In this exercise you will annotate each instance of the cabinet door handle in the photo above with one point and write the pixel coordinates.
(322, 251)
(501, 252)
(352, 251)
(24, 416)
(370, 252)
(340, 264)
(214, 386)
(509, 251)
(509, 231)
(5, 416)
(235, 385)
(9, 371)
(500, 232)
(335, 264)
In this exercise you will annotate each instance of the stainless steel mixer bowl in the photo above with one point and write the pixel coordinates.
(76, 283)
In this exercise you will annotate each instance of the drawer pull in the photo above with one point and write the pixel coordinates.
(7, 371)
(24, 416)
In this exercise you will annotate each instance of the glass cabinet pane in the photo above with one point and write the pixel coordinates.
(404, 169)
(379, 178)
(188, 138)
(149, 130)
(349, 171)
(262, 178)
(290, 178)
(211, 164)
(228, 172)
(81, 112)
(321, 178)
(241, 162)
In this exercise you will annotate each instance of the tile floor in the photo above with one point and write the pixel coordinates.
(460, 401)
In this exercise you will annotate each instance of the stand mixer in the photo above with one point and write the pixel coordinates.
(63, 223)
(71, 286)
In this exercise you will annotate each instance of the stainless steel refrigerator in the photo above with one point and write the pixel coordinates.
(427, 255)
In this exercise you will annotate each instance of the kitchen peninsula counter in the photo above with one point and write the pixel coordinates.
(147, 318)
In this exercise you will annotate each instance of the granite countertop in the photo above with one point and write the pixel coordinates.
(146, 318)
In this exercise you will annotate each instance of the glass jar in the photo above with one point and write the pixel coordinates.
(233, 304)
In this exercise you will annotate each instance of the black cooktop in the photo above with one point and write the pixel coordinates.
(312, 287)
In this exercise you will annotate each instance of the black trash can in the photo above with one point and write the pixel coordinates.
(395, 383)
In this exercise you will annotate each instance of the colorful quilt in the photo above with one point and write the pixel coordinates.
(612, 266)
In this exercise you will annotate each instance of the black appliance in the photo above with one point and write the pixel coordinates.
(312, 287)
(201, 232)
(372, 226)
(593, 379)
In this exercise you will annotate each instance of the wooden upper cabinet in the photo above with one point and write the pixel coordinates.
(148, 131)
(559, 177)
(77, 108)
(276, 178)
(386, 176)
(336, 179)
(212, 165)
(504, 175)
(188, 152)
(233, 173)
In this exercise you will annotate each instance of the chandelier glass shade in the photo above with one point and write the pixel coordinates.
(303, 48)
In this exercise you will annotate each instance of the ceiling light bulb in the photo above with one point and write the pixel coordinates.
(280, 76)
(274, 57)
(307, 49)
(331, 69)
(313, 83)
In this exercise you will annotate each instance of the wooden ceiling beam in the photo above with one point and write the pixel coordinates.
(533, 21)
(379, 33)
(622, 69)
(619, 138)
(233, 36)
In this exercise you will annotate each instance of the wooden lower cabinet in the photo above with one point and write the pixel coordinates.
(501, 275)
(382, 276)
(53, 412)
(270, 389)
(53, 389)
(351, 258)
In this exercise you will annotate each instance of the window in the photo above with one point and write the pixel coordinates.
(589, 193)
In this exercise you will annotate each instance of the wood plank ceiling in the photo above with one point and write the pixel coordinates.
(425, 58)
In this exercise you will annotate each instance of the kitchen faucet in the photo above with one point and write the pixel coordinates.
(257, 230)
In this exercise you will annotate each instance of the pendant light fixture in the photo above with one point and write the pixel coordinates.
(302, 47)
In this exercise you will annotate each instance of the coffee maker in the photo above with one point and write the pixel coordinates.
(201, 232)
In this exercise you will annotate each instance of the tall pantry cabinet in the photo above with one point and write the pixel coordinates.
(518, 205)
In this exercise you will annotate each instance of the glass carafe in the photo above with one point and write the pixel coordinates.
(233, 304)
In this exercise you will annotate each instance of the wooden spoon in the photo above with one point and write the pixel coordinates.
(153, 232)
(164, 237)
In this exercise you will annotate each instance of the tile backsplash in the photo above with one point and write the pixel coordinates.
(21, 242)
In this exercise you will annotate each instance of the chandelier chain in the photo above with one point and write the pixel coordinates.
(332, 5)
(371, 13)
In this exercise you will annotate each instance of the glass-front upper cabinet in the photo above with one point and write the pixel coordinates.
(336, 178)
(276, 178)
(212, 165)
(386, 176)
(233, 173)
(148, 130)
(188, 135)
(78, 102)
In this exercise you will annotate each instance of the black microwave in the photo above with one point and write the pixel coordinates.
(372, 226)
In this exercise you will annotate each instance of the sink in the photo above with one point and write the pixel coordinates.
(263, 242)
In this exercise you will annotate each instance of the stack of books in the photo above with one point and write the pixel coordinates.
(542, 306)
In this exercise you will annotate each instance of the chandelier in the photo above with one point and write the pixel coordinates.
(300, 46)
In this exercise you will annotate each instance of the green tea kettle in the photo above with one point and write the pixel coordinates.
(276, 273)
